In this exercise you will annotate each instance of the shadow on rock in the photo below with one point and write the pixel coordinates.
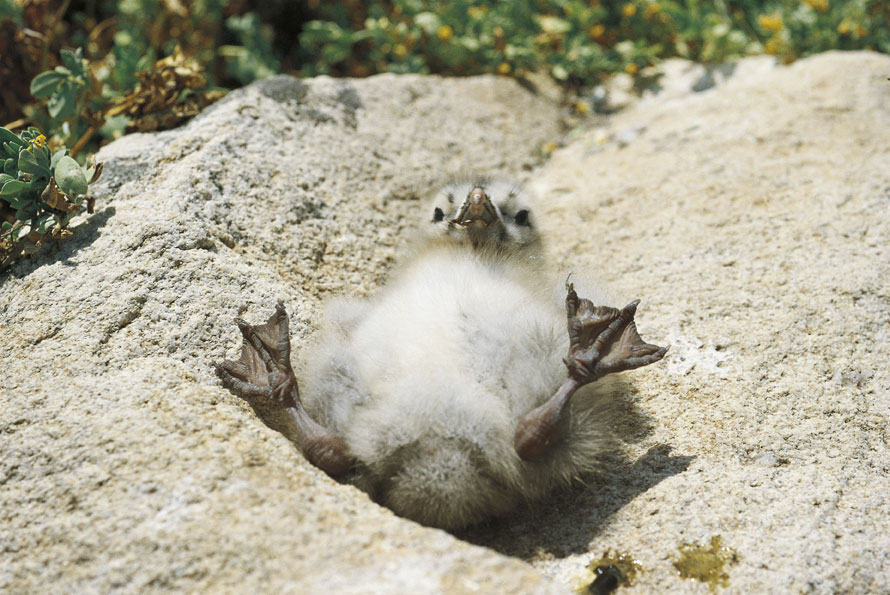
(567, 523)
(54, 251)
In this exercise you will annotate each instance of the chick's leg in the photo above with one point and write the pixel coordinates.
(264, 371)
(602, 340)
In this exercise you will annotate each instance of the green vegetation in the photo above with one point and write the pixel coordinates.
(85, 73)
(40, 193)
(578, 41)
(81, 62)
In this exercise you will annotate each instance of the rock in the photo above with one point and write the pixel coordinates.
(126, 467)
(629, 134)
(616, 93)
(754, 222)
(674, 79)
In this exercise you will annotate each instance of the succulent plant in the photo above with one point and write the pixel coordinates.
(65, 86)
(39, 193)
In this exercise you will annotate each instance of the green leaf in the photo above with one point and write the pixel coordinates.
(73, 61)
(9, 151)
(70, 177)
(61, 104)
(55, 158)
(43, 155)
(9, 10)
(9, 167)
(10, 137)
(145, 62)
(18, 203)
(45, 223)
(30, 134)
(46, 83)
(13, 230)
(12, 187)
(35, 163)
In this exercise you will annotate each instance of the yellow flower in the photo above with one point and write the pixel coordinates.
(477, 11)
(444, 33)
(549, 147)
(503, 68)
(39, 140)
(771, 47)
(597, 31)
(818, 5)
(651, 10)
(861, 31)
(628, 10)
(581, 107)
(844, 27)
(500, 43)
(631, 68)
(771, 22)
(400, 50)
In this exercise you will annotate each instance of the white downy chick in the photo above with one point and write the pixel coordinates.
(445, 396)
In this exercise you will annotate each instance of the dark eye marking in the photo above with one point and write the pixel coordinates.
(438, 214)
(521, 217)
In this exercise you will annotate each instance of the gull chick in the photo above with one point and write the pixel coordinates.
(462, 389)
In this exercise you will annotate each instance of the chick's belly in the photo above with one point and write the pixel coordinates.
(468, 338)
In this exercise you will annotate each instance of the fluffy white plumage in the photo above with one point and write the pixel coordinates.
(446, 396)
(426, 381)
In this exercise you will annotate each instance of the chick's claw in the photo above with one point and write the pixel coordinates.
(604, 340)
(234, 377)
(264, 370)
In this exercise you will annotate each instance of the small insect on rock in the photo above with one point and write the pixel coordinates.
(461, 389)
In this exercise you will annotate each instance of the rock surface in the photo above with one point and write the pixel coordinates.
(751, 217)
(754, 221)
(125, 466)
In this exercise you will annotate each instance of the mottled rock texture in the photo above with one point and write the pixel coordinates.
(752, 216)
(125, 466)
(753, 219)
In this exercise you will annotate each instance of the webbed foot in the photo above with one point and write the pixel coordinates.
(264, 371)
(602, 340)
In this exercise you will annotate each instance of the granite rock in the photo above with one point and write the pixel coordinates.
(126, 467)
(750, 215)
(753, 219)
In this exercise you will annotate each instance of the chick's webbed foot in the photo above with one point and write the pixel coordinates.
(602, 340)
(264, 371)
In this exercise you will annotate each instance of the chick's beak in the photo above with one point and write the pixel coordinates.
(477, 210)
